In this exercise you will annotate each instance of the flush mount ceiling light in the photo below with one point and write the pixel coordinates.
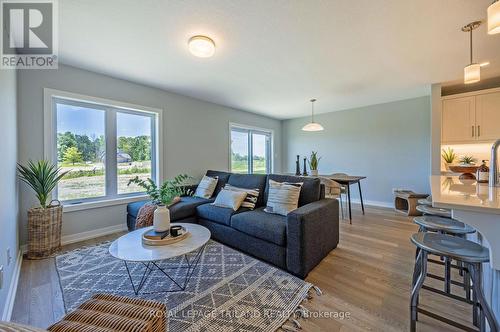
(201, 46)
(312, 126)
(494, 18)
(472, 73)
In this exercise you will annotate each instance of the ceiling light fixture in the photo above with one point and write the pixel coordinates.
(312, 126)
(472, 73)
(201, 46)
(494, 18)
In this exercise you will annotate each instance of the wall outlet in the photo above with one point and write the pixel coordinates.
(1, 276)
(9, 257)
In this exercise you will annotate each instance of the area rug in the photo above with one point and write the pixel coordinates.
(228, 291)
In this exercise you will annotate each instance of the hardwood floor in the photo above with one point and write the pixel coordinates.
(367, 277)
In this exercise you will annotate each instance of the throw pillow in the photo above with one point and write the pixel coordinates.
(283, 197)
(250, 199)
(206, 187)
(230, 199)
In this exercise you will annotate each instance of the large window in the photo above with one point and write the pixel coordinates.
(102, 146)
(250, 150)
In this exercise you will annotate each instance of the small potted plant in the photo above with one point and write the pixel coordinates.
(449, 157)
(45, 221)
(162, 197)
(313, 163)
(467, 161)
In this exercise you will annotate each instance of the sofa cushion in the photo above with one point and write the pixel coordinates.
(184, 209)
(250, 181)
(262, 225)
(311, 187)
(217, 214)
(222, 176)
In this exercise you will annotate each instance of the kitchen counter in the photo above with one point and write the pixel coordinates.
(472, 203)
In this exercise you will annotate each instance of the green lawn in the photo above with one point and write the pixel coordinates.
(241, 166)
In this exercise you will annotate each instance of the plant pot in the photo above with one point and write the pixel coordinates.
(44, 231)
(161, 219)
(314, 172)
(447, 166)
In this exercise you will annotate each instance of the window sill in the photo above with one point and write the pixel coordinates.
(103, 203)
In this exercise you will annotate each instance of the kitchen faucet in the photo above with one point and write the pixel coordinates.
(493, 180)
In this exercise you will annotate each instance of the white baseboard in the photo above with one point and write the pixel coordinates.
(78, 237)
(389, 205)
(11, 295)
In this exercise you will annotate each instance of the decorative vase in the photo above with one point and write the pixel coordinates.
(314, 172)
(161, 219)
(305, 167)
(297, 166)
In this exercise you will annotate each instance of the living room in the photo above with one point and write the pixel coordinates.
(280, 155)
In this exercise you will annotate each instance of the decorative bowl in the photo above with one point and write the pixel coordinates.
(466, 170)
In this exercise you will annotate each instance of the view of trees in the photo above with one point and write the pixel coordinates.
(73, 148)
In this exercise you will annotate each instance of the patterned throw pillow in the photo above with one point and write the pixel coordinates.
(206, 187)
(283, 197)
(230, 199)
(250, 199)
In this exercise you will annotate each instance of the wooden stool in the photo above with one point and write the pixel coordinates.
(406, 201)
(105, 312)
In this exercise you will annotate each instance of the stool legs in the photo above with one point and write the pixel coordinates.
(421, 265)
(485, 311)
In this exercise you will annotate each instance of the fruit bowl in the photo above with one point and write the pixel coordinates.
(466, 170)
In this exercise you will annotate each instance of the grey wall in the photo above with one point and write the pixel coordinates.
(195, 132)
(388, 143)
(8, 182)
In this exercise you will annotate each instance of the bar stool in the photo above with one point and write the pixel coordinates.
(425, 201)
(468, 253)
(453, 227)
(426, 209)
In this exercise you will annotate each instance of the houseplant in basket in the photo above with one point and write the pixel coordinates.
(162, 197)
(313, 163)
(45, 221)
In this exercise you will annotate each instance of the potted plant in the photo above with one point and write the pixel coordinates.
(313, 163)
(163, 197)
(467, 160)
(449, 157)
(45, 221)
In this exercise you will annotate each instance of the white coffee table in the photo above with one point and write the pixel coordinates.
(129, 248)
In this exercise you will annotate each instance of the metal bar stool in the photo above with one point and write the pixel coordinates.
(425, 201)
(471, 254)
(453, 227)
(434, 211)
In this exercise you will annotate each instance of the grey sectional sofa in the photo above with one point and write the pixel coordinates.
(296, 243)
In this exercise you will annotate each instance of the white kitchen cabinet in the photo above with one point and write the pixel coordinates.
(471, 117)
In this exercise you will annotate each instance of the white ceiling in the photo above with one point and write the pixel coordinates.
(274, 55)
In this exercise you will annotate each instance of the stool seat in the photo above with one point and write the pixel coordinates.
(451, 246)
(426, 209)
(447, 225)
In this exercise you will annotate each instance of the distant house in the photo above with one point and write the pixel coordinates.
(121, 157)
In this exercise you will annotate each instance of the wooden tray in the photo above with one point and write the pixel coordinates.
(166, 241)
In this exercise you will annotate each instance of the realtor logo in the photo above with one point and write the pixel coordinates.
(29, 36)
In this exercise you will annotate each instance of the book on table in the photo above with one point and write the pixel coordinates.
(154, 235)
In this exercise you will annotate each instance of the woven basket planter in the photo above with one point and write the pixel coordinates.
(44, 231)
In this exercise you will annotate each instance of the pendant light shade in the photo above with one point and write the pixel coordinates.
(312, 126)
(472, 73)
(494, 18)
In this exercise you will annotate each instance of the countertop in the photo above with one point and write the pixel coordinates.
(468, 195)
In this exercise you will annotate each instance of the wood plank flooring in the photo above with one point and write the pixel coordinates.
(367, 277)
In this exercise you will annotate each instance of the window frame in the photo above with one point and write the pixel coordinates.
(250, 130)
(111, 108)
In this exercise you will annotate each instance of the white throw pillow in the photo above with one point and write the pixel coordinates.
(252, 195)
(283, 197)
(206, 187)
(230, 199)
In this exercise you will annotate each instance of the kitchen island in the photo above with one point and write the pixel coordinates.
(478, 205)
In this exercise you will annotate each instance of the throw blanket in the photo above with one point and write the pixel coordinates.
(146, 214)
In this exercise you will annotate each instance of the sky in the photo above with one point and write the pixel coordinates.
(90, 122)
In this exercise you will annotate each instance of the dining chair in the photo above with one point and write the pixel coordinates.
(343, 188)
(333, 190)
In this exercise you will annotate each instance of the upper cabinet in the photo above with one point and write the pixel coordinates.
(471, 117)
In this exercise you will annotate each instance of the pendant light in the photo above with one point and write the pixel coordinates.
(472, 73)
(312, 126)
(494, 18)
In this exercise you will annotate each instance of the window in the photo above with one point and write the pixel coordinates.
(83, 134)
(250, 150)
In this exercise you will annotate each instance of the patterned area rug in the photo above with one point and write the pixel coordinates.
(228, 291)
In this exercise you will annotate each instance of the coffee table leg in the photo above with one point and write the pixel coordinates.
(145, 275)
